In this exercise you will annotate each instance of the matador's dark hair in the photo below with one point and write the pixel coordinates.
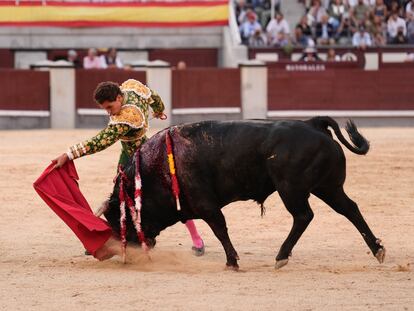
(106, 91)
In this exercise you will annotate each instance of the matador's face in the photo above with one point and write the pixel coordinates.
(113, 107)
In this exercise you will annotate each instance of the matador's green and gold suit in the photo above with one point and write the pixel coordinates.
(129, 125)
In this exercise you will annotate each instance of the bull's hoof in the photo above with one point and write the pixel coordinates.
(380, 255)
(198, 251)
(280, 263)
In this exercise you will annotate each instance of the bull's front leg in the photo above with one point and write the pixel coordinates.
(217, 223)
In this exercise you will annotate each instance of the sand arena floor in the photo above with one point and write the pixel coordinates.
(42, 266)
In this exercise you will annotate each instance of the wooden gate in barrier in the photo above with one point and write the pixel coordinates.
(206, 88)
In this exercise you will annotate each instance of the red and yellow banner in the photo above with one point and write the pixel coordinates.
(149, 14)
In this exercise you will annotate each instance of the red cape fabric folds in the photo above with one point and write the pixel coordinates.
(59, 189)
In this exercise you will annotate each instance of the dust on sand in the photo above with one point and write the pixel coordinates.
(42, 266)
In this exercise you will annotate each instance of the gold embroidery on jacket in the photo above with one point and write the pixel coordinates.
(137, 87)
(130, 115)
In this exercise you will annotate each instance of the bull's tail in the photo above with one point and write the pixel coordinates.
(361, 144)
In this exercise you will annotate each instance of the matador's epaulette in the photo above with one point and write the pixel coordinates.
(137, 87)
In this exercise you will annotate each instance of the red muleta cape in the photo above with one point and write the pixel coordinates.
(60, 190)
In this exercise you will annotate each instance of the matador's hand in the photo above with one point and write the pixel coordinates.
(60, 160)
(160, 115)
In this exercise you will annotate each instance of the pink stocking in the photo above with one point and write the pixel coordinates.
(197, 241)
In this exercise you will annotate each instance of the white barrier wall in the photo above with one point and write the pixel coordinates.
(62, 93)
(159, 79)
(62, 98)
(254, 89)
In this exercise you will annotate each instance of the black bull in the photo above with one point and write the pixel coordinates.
(222, 162)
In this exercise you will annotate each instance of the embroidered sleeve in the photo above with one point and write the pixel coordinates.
(156, 102)
(99, 142)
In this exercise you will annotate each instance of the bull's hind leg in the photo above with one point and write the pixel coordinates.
(297, 204)
(341, 203)
(217, 223)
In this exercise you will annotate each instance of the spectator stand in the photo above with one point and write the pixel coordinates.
(341, 24)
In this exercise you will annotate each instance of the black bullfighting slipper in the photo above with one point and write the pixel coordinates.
(198, 251)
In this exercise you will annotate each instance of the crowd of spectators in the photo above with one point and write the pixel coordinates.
(360, 23)
(93, 60)
(102, 59)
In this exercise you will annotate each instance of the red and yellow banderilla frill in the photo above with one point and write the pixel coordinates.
(135, 210)
(171, 164)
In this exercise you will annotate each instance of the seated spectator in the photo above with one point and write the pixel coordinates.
(378, 40)
(400, 38)
(92, 60)
(281, 40)
(360, 13)
(249, 27)
(409, 10)
(410, 30)
(310, 55)
(111, 59)
(73, 58)
(332, 57)
(300, 39)
(277, 28)
(303, 24)
(345, 31)
(394, 24)
(324, 32)
(315, 13)
(396, 7)
(262, 9)
(241, 10)
(361, 39)
(181, 65)
(258, 39)
(378, 30)
(336, 10)
(379, 10)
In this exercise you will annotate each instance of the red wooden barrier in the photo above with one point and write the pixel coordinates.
(88, 79)
(344, 89)
(24, 90)
(401, 65)
(207, 88)
(6, 58)
(395, 89)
